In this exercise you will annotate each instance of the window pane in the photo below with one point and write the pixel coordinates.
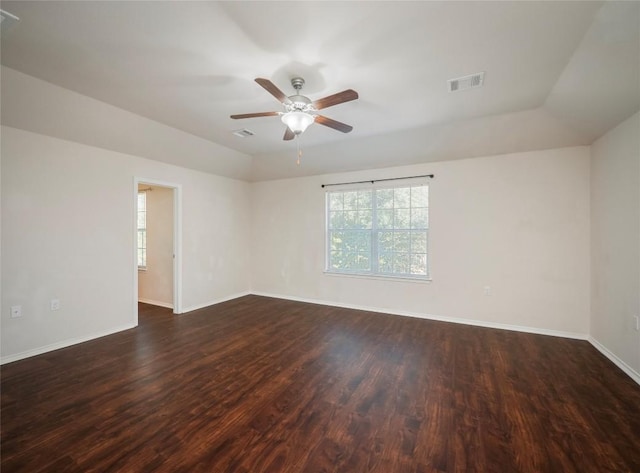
(142, 239)
(364, 218)
(345, 243)
(351, 219)
(142, 257)
(385, 218)
(364, 199)
(363, 242)
(142, 225)
(401, 242)
(335, 201)
(335, 240)
(402, 218)
(401, 263)
(401, 197)
(419, 218)
(384, 198)
(336, 219)
(351, 200)
(385, 262)
(353, 262)
(363, 262)
(419, 196)
(385, 242)
(418, 242)
(350, 241)
(337, 260)
(419, 264)
(142, 220)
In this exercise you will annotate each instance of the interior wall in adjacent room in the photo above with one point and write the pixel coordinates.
(517, 223)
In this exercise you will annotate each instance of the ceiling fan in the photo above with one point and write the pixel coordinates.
(299, 110)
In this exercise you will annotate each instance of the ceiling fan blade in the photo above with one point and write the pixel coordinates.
(273, 90)
(288, 134)
(335, 99)
(254, 115)
(336, 125)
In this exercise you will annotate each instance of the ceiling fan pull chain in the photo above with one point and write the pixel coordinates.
(299, 150)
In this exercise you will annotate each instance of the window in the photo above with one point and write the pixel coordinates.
(142, 230)
(379, 231)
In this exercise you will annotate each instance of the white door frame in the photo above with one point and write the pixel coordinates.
(177, 241)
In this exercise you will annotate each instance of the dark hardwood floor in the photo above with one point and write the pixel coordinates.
(266, 385)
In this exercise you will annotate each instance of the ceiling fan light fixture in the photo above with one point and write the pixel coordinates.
(297, 121)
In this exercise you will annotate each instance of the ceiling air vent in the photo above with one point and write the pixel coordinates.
(243, 133)
(467, 82)
(6, 20)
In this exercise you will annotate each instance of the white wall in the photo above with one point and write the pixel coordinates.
(155, 283)
(615, 227)
(518, 223)
(67, 233)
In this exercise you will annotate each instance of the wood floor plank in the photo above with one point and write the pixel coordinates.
(259, 385)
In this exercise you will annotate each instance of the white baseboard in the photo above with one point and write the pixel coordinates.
(63, 344)
(518, 328)
(455, 320)
(158, 303)
(217, 301)
(86, 338)
(633, 374)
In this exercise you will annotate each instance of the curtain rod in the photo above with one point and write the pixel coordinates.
(377, 180)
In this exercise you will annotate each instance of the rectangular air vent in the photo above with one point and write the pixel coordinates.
(467, 82)
(243, 133)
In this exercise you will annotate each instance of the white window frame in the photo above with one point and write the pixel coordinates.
(374, 272)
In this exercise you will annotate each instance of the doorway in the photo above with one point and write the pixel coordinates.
(157, 244)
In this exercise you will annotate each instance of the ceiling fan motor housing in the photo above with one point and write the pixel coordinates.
(299, 103)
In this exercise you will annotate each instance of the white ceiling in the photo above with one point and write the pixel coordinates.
(557, 73)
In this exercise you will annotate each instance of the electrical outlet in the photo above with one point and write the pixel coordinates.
(55, 304)
(16, 311)
(487, 290)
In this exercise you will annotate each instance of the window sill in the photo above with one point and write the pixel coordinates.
(142, 268)
(379, 277)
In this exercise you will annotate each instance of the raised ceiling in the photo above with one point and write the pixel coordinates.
(556, 73)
